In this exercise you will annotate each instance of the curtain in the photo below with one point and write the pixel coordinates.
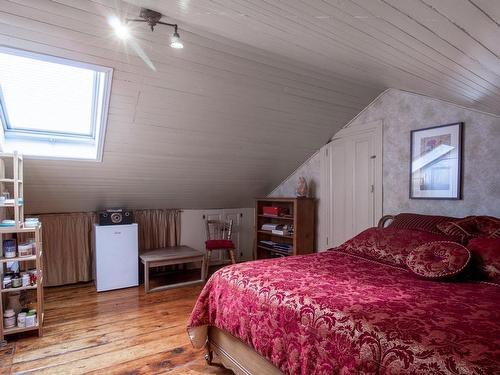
(158, 228)
(67, 241)
(67, 247)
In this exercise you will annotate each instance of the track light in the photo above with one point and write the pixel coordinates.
(120, 29)
(152, 18)
(175, 40)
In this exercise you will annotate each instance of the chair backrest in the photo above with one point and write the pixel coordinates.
(219, 230)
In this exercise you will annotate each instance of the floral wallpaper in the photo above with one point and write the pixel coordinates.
(402, 112)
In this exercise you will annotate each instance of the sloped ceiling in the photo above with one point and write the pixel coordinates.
(259, 86)
(448, 49)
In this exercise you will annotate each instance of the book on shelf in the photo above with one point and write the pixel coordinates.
(267, 243)
(280, 232)
(271, 226)
(271, 245)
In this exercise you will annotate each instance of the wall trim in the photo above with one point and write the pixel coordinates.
(383, 93)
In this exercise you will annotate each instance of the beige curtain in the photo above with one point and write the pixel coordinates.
(158, 228)
(67, 241)
(67, 245)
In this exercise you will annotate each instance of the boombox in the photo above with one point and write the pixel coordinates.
(115, 217)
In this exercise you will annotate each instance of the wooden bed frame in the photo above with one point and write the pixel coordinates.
(235, 355)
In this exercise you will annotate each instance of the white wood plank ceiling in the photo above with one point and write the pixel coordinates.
(215, 125)
(448, 49)
(259, 86)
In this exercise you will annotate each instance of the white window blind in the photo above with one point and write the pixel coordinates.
(49, 99)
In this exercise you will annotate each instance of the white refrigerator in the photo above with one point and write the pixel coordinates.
(115, 256)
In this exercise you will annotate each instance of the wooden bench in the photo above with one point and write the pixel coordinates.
(170, 256)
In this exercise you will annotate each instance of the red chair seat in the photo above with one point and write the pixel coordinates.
(219, 244)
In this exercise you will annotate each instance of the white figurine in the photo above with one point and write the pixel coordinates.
(301, 190)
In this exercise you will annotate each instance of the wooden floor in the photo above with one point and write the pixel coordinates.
(116, 332)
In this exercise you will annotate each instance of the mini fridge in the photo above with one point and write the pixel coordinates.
(115, 256)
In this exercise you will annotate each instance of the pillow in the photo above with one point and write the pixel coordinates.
(464, 229)
(421, 222)
(438, 260)
(388, 245)
(488, 226)
(486, 258)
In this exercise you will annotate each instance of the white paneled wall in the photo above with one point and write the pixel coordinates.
(193, 230)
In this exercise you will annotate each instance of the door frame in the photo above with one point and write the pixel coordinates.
(376, 127)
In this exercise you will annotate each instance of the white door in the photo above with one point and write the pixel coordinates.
(354, 181)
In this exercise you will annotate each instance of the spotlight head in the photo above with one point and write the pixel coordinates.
(175, 41)
(121, 30)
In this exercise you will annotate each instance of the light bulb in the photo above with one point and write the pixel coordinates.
(175, 41)
(120, 29)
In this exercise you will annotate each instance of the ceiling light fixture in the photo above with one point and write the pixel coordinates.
(175, 40)
(152, 18)
(120, 29)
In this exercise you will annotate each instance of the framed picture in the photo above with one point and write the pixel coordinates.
(436, 162)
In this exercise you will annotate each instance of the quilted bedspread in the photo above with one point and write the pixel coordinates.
(335, 313)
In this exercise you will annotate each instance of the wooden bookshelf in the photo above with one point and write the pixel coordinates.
(300, 213)
(15, 210)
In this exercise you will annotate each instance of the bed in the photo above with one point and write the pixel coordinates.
(339, 313)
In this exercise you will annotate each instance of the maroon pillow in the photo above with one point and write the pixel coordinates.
(421, 222)
(464, 229)
(438, 260)
(388, 245)
(486, 258)
(488, 226)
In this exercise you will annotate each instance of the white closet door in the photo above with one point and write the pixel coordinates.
(354, 194)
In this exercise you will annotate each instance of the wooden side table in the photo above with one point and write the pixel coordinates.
(170, 256)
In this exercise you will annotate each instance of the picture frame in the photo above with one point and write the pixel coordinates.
(436, 162)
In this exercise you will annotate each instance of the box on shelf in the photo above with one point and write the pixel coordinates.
(274, 211)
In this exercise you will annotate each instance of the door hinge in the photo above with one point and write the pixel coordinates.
(373, 156)
(327, 240)
(372, 189)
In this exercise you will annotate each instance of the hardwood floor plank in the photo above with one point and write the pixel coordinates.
(164, 362)
(6, 356)
(118, 332)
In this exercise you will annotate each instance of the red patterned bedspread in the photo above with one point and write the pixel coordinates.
(333, 313)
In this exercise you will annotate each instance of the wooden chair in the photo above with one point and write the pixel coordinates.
(218, 238)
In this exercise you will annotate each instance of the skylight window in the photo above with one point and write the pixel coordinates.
(53, 107)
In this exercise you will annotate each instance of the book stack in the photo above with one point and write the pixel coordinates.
(282, 247)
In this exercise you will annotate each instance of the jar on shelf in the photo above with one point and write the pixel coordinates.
(30, 319)
(9, 318)
(25, 249)
(33, 246)
(9, 248)
(17, 281)
(7, 282)
(21, 320)
(26, 277)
